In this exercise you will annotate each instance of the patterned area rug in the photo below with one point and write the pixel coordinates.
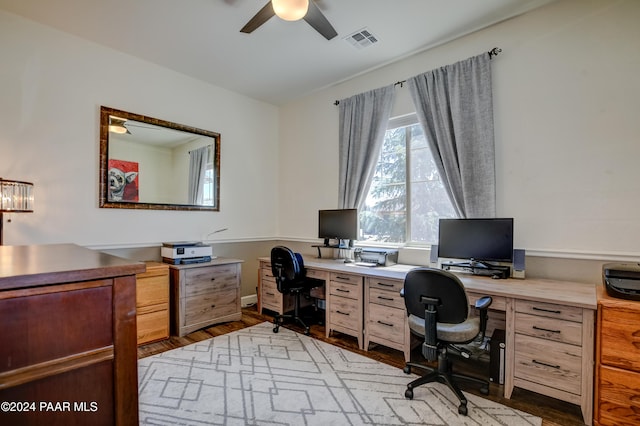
(256, 377)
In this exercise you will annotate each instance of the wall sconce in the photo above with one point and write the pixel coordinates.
(290, 10)
(17, 197)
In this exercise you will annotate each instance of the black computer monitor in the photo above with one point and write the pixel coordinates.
(481, 240)
(338, 224)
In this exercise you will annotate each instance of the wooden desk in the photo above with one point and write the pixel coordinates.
(68, 335)
(549, 324)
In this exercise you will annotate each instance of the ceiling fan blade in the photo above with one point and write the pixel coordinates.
(317, 20)
(260, 18)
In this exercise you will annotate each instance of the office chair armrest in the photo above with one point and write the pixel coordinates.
(483, 303)
(402, 292)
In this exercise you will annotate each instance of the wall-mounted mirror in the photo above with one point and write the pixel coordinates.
(147, 163)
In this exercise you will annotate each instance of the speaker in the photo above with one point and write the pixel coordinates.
(518, 263)
(433, 256)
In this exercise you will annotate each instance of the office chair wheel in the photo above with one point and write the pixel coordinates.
(408, 394)
(484, 390)
(407, 369)
(306, 331)
(462, 409)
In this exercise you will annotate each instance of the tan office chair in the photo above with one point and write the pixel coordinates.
(288, 269)
(438, 312)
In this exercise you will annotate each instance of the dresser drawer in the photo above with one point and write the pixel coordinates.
(355, 280)
(153, 325)
(341, 289)
(209, 306)
(549, 328)
(548, 363)
(620, 338)
(386, 323)
(618, 396)
(550, 310)
(152, 290)
(219, 278)
(386, 298)
(207, 279)
(345, 312)
(266, 274)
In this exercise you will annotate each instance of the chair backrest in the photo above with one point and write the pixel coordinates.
(287, 267)
(436, 283)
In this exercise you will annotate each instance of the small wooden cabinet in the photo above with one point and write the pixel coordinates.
(617, 387)
(344, 305)
(152, 303)
(385, 315)
(203, 294)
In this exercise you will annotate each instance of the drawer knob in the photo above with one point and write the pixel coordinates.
(386, 298)
(213, 279)
(385, 323)
(342, 313)
(213, 306)
(343, 290)
(546, 329)
(385, 284)
(557, 367)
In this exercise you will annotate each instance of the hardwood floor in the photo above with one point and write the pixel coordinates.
(552, 411)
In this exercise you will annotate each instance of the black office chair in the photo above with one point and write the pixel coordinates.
(438, 312)
(288, 269)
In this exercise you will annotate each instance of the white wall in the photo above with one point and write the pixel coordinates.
(567, 117)
(51, 88)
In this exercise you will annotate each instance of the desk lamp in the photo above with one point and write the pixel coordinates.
(17, 197)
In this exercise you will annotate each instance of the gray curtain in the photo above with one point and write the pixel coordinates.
(198, 159)
(363, 122)
(455, 108)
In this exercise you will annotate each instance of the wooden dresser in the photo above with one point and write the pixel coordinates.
(68, 341)
(203, 294)
(152, 303)
(617, 389)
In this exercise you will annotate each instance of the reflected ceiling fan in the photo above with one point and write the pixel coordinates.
(292, 10)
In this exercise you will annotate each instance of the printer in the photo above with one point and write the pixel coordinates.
(622, 280)
(379, 256)
(186, 252)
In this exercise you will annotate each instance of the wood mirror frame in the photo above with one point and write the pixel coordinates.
(105, 202)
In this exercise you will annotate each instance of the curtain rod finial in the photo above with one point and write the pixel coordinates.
(494, 52)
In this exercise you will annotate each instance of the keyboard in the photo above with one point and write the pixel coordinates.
(367, 264)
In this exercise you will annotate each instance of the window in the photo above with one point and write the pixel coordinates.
(405, 166)
(208, 185)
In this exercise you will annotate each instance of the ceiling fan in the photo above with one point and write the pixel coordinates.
(292, 10)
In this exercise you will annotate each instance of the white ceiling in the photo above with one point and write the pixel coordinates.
(280, 61)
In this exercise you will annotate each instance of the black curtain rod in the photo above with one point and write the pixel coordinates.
(493, 52)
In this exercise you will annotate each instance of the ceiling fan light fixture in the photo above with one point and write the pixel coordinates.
(290, 10)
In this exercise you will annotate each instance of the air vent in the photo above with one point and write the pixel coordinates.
(361, 39)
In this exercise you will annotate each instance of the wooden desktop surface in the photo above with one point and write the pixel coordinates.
(543, 290)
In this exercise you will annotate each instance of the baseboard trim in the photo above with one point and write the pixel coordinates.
(249, 300)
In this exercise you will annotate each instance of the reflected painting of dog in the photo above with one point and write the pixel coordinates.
(123, 180)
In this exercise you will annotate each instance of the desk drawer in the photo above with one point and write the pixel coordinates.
(387, 285)
(386, 298)
(550, 310)
(346, 313)
(341, 289)
(386, 323)
(549, 328)
(351, 279)
(498, 303)
(548, 363)
(207, 279)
